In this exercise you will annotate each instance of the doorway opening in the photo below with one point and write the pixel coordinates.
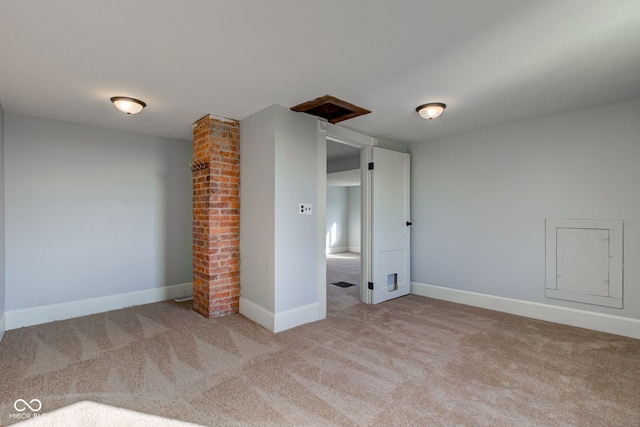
(343, 226)
(327, 132)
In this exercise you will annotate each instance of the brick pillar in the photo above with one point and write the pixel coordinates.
(216, 216)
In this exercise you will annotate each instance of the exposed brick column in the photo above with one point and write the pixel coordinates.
(216, 216)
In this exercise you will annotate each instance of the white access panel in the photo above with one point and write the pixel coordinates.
(584, 261)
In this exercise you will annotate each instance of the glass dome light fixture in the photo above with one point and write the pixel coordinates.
(431, 111)
(128, 105)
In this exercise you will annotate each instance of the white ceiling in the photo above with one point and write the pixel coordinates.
(490, 61)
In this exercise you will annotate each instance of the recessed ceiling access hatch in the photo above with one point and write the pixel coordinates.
(333, 109)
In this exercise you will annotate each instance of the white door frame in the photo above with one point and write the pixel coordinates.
(329, 132)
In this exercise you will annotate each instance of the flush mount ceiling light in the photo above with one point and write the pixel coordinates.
(431, 111)
(128, 105)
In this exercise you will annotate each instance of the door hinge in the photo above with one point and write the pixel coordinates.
(371, 285)
(370, 166)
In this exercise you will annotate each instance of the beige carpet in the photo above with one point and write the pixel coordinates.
(412, 361)
(342, 267)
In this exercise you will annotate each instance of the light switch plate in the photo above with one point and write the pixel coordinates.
(304, 208)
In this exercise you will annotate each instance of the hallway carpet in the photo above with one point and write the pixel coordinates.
(412, 361)
(342, 267)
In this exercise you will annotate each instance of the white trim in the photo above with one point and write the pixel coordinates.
(354, 249)
(67, 310)
(279, 322)
(321, 217)
(296, 317)
(257, 313)
(618, 325)
(366, 221)
(347, 136)
(3, 325)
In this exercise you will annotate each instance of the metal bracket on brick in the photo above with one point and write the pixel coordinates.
(197, 165)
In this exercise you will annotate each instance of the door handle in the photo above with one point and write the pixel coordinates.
(409, 223)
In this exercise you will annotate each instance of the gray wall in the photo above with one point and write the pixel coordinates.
(278, 246)
(257, 208)
(354, 204)
(296, 235)
(93, 212)
(400, 147)
(480, 199)
(337, 219)
(344, 163)
(2, 230)
(343, 210)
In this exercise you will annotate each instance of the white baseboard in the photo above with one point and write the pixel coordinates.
(336, 250)
(257, 313)
(67, 310)
(296, 317)
(279, 322)
(342, 249)
(617, 325)
(3, 325)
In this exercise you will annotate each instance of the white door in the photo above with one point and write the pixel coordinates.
(390, 225)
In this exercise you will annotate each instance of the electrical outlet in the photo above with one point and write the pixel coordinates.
(304, 208)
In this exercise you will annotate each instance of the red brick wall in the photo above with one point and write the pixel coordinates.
(216, 216)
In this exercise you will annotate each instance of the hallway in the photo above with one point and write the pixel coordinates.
(342, 267)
